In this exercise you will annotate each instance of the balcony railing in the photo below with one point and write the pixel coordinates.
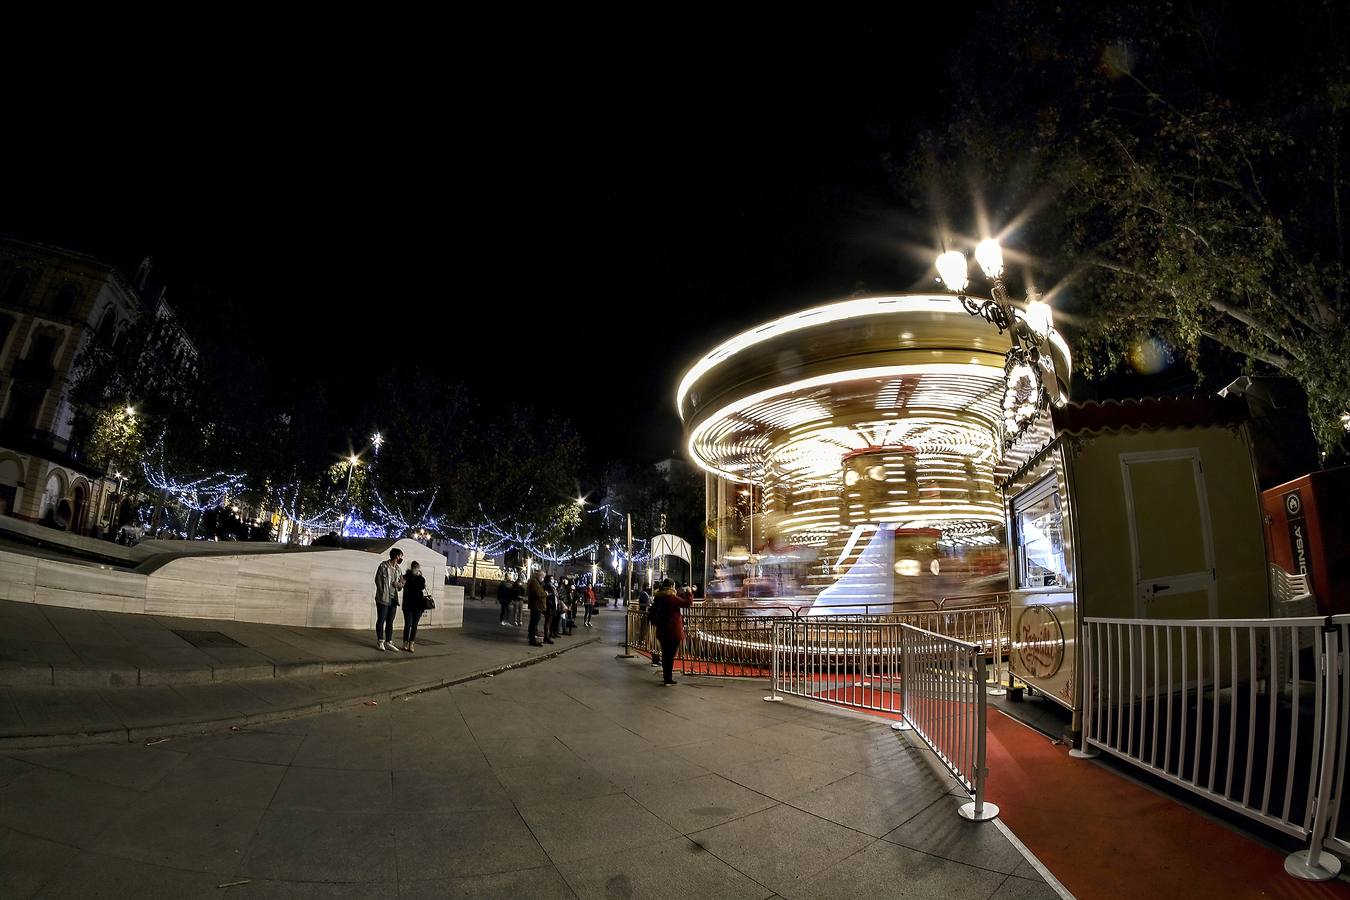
(47, 445)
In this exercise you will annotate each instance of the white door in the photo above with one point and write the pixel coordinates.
(1171, 539)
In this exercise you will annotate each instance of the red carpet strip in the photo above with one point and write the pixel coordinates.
(1104, 836)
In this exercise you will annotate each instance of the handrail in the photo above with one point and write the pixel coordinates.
(935, 682)
(1005, 596)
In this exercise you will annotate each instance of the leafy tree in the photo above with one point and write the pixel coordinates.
(1180, 169)
(417, 470)
(520, 475)
(660, 501)
(298, 459)
(137, 393)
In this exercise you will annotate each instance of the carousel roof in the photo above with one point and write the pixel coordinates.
(914, 374)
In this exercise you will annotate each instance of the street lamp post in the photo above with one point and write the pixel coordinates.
(473, 581)
(351, 467)
(1029, 372)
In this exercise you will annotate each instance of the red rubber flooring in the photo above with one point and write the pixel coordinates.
(1103, 836)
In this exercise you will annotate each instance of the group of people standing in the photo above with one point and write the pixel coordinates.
(556, 605)
(390, 580)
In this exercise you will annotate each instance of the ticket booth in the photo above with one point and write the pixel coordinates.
(1142, 509)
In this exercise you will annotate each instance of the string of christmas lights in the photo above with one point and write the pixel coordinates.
(200, 494)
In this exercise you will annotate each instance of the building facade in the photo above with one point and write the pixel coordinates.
(53, 303)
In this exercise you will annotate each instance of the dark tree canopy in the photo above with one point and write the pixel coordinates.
(1171, 170)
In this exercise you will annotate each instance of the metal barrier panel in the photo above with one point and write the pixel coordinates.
(728, 641)
(987, 626)
(737, 641)
(1248, 713)
(934, 682)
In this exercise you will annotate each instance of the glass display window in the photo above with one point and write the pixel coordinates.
(1038, 522)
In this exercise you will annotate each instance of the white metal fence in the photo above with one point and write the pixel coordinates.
(935, 683)
(1250, 714)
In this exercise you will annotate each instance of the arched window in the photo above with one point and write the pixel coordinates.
(120, 337)
(16, 288)
(67, 295)
(107, 325)
(44, 346)
(55, 490)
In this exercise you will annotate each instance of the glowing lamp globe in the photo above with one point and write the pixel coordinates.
(1039, 318)
(909, 568)
(990, 257)
(951, 268)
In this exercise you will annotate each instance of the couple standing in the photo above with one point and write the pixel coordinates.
(388, 582)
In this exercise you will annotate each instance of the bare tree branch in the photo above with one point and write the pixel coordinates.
(1283, 363)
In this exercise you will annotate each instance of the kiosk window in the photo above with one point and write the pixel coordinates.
(1040, 537)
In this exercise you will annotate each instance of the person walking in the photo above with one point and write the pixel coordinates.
(565, 609)
(669, 623)
(538, 605)
(414, 604)
(589, 598)
(518, 600)
(388, 582)
(506, 592)
(550, 609)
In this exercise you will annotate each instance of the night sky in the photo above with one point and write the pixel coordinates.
(575, 245)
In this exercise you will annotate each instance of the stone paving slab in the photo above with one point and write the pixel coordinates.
(165, 702)
(578, 777)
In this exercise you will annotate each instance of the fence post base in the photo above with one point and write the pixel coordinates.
(987, 812)
(1084, 751)
(773, 699)
(996, 691)
(1327, 867)
(902, 725)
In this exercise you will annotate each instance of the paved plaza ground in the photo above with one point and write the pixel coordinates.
(579, 776)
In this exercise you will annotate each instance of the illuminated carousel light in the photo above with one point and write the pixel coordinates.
(909, 568)
(863, 429)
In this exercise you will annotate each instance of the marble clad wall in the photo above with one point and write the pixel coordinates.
(18, 576)
(320, 589)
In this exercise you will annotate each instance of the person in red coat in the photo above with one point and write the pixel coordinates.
(665, 614)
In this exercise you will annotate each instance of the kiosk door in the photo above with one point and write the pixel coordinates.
(1170, 535)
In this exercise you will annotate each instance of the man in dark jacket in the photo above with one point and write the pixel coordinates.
(506, 592)
(538, 598)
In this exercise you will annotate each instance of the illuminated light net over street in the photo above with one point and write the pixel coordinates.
(838, 427)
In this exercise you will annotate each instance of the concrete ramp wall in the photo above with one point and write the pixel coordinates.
(317, 588)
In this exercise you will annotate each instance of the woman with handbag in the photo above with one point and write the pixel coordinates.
(414, 604)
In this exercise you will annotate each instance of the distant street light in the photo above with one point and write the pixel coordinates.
(352, 461)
